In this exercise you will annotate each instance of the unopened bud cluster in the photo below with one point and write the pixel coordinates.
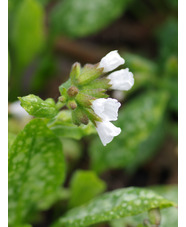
(85, 94)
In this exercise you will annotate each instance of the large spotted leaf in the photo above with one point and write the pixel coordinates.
(113, 205)
(36, 170)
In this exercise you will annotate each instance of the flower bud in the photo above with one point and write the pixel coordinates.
(62, 98)
(72, 104)
(72, 91)
(79, 117)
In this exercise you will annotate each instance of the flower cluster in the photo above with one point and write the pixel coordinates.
(85, 94)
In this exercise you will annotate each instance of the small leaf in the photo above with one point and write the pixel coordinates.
(37, 107)
(75, 18)
(86, 182)
(113, 205)
(36, 170)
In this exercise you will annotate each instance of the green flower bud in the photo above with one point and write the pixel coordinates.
(62, 99)
(72, 91)
(79, 116)
(72, 105)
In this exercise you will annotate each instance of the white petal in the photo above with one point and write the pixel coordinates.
(106, 109)
(111, 61)
(107, 131)
(17, 110)
(121, 80)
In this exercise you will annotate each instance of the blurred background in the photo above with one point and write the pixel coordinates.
(47, 36)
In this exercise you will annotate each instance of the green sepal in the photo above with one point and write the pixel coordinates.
(64, 87)
(97, 93)
(102, 83)
(75, 72)
(92, 116)
(84, 99)
(89, 73)
(37, 107)
(79, 116)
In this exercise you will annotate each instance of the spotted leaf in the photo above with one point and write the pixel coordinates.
(36, 170)
(113, 205)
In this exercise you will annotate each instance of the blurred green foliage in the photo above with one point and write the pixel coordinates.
(80, 18)
(147, 119)
(86, 182)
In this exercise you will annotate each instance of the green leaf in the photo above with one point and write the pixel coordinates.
(36, 170)
(169, 216)
(62, 126)
(37, 107)
(9, 64)
(86, 182)
(46, 69)
(168, 47)
(44, 2)
(141, 122)
(144, 70)
(28, 32)
(171, 85)
(77, 18)
(11, 138)
(113, 205)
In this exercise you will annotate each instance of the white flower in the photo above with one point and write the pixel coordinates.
(106, 131)
(17, 110)
(111, 61)
(121, 80)
(106, 109)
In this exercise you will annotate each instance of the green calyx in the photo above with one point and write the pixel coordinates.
(85, 85)
(79, 117)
